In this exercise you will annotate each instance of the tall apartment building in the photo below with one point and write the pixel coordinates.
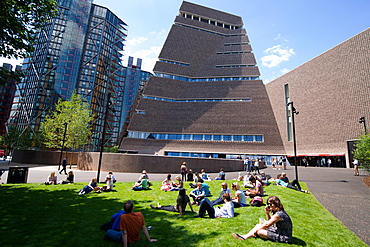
(79, 50)
(134, 81)
(206, 98)
(7, 93)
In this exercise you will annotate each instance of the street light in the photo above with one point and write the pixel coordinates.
(64, 139)
(294, 111)
(363, 120)
(109, 103)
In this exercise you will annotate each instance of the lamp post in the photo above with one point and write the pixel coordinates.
(363, 120)
(64, 139)
(109, 103)
(293, 111)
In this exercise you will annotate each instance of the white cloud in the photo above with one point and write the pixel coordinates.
(276, 55)
(136, 41)
(149, 56)
(284, 71)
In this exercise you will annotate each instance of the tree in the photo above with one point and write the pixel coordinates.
(20, 21)
(362, 151)
(76, 114)
(16, 139)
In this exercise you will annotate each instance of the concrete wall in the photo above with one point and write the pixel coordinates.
(152, 163)
(117, 162)
(42, 157)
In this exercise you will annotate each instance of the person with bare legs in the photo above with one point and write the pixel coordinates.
(277, 227)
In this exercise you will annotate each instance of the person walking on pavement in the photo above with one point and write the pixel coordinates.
(64, 165)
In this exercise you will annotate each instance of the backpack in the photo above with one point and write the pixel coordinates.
(257, 201)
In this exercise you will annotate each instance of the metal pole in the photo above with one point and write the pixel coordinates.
(103, 135)
(293, 111)
(64, 139)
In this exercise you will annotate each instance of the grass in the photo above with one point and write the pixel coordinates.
(35, 215)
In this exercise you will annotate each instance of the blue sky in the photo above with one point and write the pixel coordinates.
(284, 34)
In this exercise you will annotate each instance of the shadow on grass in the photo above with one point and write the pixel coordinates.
(33, 215)
(298, 241)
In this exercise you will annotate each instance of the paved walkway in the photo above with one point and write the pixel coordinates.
(341, 193)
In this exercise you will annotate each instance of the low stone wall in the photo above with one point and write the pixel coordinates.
(153, 163)
(133, 163)
(43, 157)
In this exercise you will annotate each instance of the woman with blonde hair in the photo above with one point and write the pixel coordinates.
(239, 200)
(51, 179)
(277, 227)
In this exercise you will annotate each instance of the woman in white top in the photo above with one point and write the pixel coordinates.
(239, 200)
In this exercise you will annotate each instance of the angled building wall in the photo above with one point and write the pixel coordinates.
(206, 98)
(331, 92)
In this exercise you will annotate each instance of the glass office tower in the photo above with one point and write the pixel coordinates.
(78, 50)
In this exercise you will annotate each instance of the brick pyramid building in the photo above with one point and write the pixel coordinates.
(206, 98)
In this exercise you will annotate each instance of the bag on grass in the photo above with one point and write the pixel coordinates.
(257, 201)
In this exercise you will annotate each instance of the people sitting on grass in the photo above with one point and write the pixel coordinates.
(284, 177)
(226, 211)
(265, 178)
(131, 224)
(221, 175)
(206, 189)
(197, 194)
(51, 179)
(198, 178)
(204, 175)
(181, 202)
(277, 228)
(177, 185)
(257, 190)
(224, 190)
(239, 199)
(111, 175)
(167, 183)
(142, 184)
(92, 186)
(69, 179)
(293, 185)
(109, 184)
(190, 175)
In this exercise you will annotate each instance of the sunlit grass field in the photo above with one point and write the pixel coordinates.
(54, 215)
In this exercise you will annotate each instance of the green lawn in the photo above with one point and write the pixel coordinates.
(39, 215)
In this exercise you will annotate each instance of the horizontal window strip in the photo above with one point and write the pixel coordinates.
(235, 66)
(194, 100)
(181, 78)
(173, 62)
(196, 137)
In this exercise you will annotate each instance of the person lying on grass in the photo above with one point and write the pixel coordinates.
(226, 211)
(181, 202)
(293, 185)
(277, 228)
(93, 185)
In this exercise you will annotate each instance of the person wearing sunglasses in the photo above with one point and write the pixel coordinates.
(277, 227)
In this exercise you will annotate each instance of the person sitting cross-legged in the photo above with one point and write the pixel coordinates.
(226, 211)
(197, 194)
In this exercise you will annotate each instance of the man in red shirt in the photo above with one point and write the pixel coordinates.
(132, 224)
